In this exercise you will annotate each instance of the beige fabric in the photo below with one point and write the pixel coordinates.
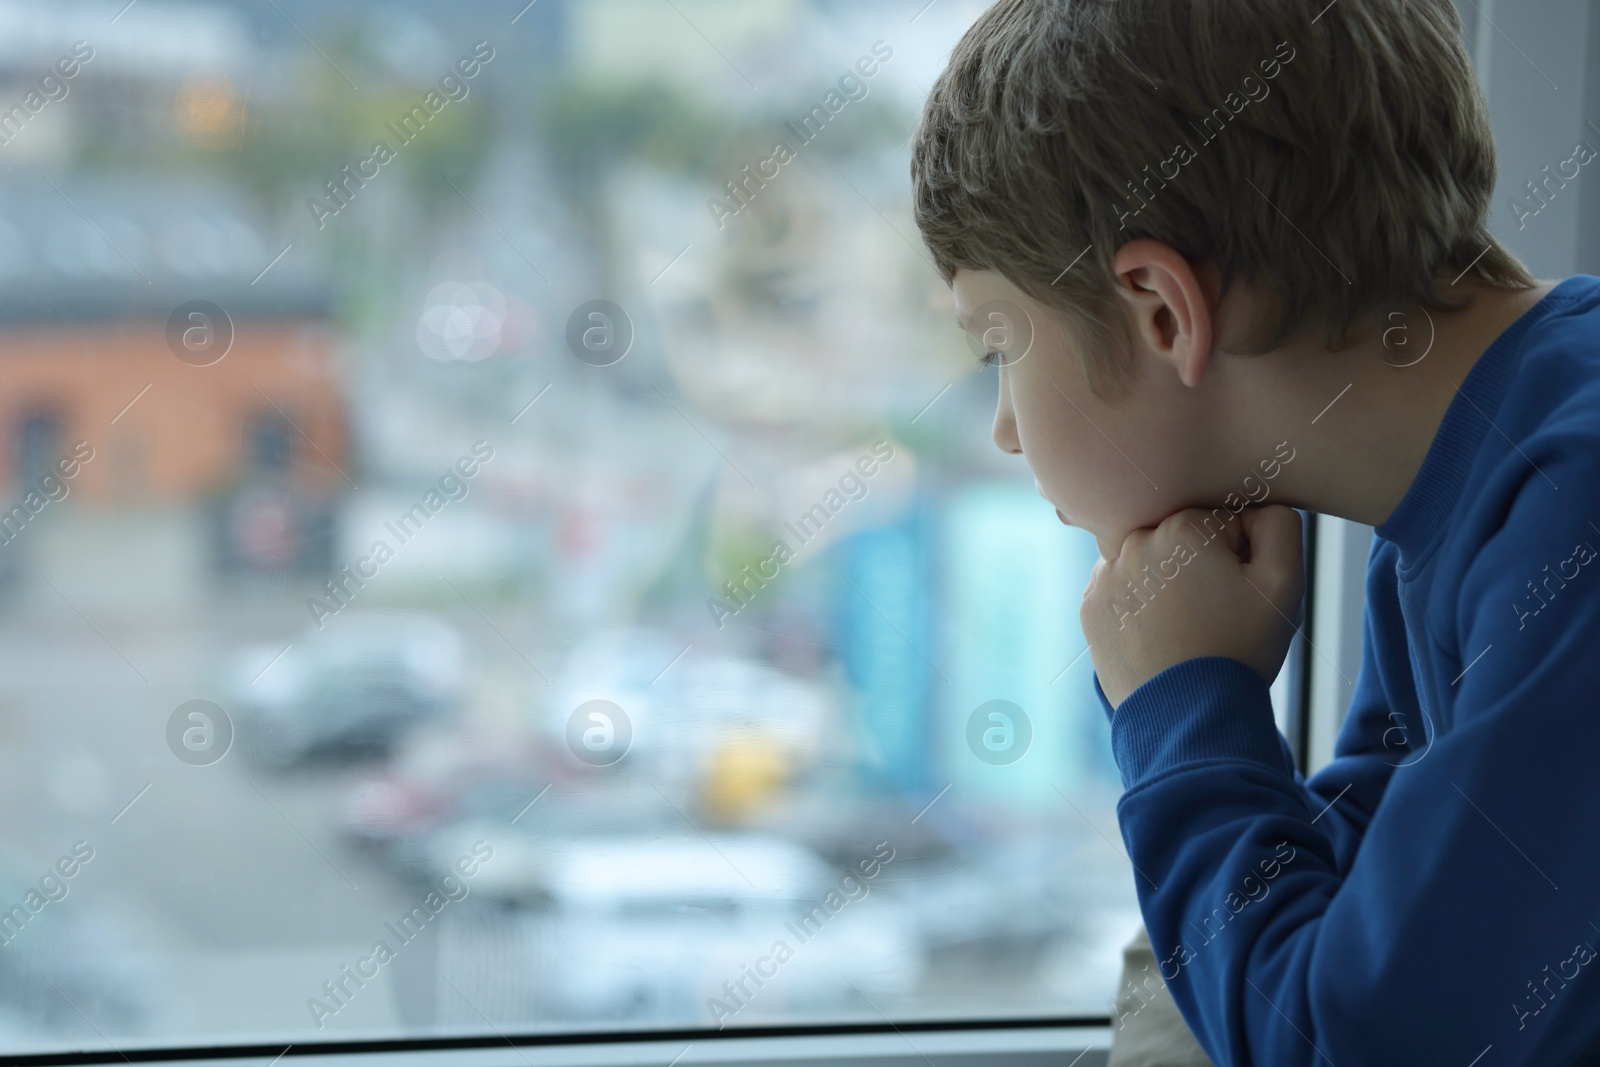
(1147, 1030)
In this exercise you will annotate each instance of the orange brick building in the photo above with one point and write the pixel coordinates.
(164, 430)
(245, 432)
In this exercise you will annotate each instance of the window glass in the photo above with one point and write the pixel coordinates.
(503, 536)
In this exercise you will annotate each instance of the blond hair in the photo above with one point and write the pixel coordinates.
(1335, 159)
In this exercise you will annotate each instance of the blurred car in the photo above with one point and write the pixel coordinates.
(356, 685)
(69, 970)
(437, 774)
(686, 710)
(656, 929)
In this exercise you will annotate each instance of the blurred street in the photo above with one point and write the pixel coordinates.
(467, 561)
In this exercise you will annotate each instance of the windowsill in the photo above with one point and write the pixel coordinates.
(1012, 1046)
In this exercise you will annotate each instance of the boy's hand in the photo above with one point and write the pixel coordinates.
(1234, 596)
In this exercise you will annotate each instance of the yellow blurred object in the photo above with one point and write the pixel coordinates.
(745, 770)
(209, 110)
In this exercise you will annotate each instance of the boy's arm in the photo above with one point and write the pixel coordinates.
(1372, 742)
(1464, 919)
(1374, 739)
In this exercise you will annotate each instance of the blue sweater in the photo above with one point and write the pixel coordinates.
(1432, 895)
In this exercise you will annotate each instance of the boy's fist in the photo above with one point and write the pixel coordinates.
(1170, 595)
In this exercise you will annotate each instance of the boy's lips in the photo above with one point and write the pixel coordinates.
(1060, 516)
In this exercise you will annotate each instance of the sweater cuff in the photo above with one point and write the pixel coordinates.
(1100, 694)
(1209, 707)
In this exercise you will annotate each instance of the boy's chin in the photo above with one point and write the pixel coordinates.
(1110, 548)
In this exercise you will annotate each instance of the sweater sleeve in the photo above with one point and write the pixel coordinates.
(1374, 740)
(1463, 919)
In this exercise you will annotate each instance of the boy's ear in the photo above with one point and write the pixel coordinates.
(1169, 304)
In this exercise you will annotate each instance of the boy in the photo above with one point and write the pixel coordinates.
(1241, 243)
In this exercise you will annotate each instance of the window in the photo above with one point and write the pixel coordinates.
(269, 443)
(37, 440)
(570, 587)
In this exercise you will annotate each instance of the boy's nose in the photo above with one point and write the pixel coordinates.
(1005, 428)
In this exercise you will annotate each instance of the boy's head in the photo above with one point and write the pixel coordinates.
(1094, 169)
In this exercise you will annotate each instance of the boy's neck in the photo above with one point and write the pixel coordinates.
(1357, 455)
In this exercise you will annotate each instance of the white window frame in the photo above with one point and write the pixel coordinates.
(909, 1045)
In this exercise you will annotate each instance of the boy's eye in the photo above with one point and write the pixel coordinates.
(989, 359)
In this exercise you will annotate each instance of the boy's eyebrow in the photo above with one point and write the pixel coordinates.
(961, 324)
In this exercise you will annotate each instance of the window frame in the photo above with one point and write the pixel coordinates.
(1003, 1043)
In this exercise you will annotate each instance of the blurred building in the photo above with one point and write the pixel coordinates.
(884, 619)
(1010, 627)
(166, 401)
